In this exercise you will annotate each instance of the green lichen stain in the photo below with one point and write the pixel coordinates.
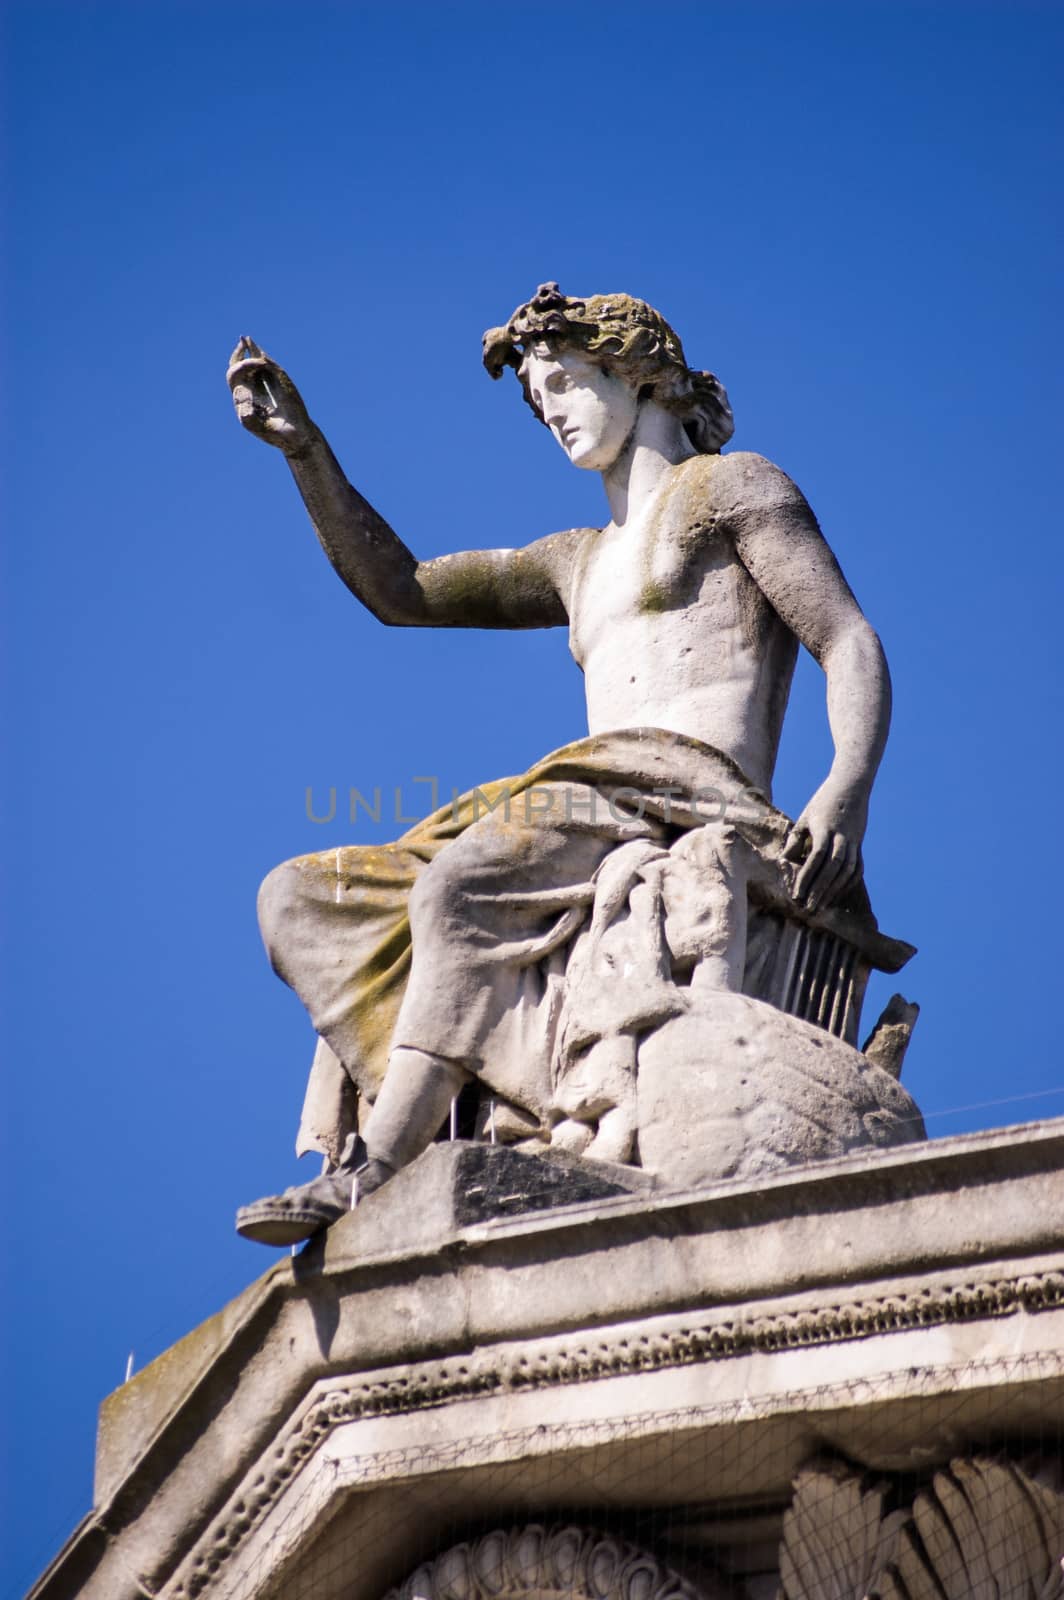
(675, 536)
(131, 1415)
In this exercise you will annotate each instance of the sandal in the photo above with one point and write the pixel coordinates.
(301, 1212)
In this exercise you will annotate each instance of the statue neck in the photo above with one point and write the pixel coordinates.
(655, 445)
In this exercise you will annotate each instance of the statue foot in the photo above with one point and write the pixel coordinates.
(301, 1212)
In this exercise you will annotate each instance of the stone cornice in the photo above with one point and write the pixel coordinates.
(614, 1353)
(413, 1239)
(403, 1308)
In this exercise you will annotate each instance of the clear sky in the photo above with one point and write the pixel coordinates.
(850, 212)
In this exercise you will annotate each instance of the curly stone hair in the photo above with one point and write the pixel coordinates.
(626, 336)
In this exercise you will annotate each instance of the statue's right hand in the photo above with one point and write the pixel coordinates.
(267, 401)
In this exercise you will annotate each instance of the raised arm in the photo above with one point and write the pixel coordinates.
(472, 589)
(781, 546)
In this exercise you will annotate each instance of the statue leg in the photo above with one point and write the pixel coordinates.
(486, 914)
(413, 1102)
(415, 1098)
(490, 906)
(335, 928)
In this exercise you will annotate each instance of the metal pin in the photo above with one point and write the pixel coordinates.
(354, 1191)
(491, 1119)
(454, 1118)
(129, 1368)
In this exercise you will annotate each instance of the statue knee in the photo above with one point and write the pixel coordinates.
(435, 893)
(279, 894)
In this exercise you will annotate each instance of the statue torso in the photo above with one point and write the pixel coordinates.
(672, 632)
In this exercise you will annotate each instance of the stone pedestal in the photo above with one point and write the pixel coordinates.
(483, 1347)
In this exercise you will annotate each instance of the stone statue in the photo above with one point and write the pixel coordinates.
(628, 949)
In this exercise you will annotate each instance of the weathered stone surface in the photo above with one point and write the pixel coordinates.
(837, 1534)
(760, 1091)
(889, 1040)
(561, 1563)
(407, 1377)
(983, 1529)
(493, 1181)
(646, 863)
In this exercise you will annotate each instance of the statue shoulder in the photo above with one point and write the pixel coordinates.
(559, 551)
(742, 481)
(561, 557)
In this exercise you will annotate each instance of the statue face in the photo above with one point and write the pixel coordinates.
(591, 412)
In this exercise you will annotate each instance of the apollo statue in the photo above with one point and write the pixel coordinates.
(630, 954)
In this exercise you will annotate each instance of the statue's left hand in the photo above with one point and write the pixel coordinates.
(267, 402)
(824, 845)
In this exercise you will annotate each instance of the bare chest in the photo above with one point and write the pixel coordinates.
(676, 566)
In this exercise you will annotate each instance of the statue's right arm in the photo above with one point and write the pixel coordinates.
(471, 589)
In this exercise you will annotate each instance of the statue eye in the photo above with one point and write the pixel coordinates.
(557, 383)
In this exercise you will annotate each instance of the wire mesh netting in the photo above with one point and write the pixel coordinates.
(952, 1492)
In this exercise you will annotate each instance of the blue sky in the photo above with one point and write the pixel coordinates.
(848, 211)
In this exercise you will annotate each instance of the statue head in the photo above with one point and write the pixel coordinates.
(627, 341)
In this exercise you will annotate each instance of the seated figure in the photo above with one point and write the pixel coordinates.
(533, 936)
